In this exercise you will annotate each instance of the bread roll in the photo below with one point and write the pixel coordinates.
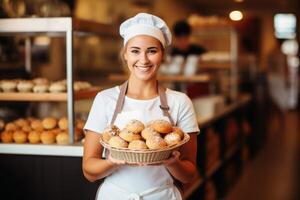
(110, 131)
(25, 86)
(37, 125)
(11, 127)
(57, 87)
(117, 142)
(62, 138)
(137, 145)
(178, 131)
(162, 126)
(48, 137)
(129, 136)
(156, 143)
(172, 138)
(135, 126)
(7, 137)
(49, 123)
(9, 85)
(149, 132)
(41, 88)
(34, 137)
(63, 123)
(20, 137)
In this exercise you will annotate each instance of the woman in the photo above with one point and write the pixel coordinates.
(145, 39)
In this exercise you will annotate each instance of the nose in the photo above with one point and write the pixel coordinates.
(144, 58)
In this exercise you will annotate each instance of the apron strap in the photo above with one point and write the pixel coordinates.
(164, 104)
(120, 101)
(162, 96)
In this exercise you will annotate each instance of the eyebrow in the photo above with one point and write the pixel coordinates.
(147, 48)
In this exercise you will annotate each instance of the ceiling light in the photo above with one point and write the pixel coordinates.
(236, 15)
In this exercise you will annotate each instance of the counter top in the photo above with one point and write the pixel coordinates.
(76, 150)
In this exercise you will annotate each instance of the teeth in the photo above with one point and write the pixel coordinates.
(144, 69)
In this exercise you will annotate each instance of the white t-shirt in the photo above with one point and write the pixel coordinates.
(181, 110)
(136, 179)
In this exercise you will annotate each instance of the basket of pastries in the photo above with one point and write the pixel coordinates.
(137, 143)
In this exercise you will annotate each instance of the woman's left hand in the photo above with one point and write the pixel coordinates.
(175, 157)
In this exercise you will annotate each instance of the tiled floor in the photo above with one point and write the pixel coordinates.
(274, 173)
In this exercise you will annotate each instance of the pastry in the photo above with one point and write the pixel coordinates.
(129, 136)
(34, 137)
(7, 137)
(110, 131)
(25, 86)
(117, 142)
(162, 126)
(20, 137)
(48, 137)
(63, 123)
(156, 142)
(37, 125)
(172, 138)
(9, 85)
(40, 80)
(56, 131)
(49, 123)
(21, 122)
(135, 126)
(40, 88)
(62, 138)
(149, 132)
(137, 145)
(178, 131)
(11, 127)
(26, 128)
(57, 87)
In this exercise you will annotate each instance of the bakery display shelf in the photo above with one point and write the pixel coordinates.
(17, 96)
(54, 26)
(72, 150)
(169, 78)
(206, 121)
(214, 65)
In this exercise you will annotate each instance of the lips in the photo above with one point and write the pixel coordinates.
(144, 68)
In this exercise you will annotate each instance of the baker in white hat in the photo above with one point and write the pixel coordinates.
(141, 98)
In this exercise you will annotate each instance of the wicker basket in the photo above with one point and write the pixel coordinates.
(147, 156)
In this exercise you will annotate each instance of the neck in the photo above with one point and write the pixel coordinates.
(138, 89)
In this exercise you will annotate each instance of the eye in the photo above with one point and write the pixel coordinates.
(134, 51)
(152, 51)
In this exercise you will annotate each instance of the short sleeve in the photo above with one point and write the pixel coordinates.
(187, 119)
(97, 119)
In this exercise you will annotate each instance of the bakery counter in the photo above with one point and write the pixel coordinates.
(74, 150)
(206, 121)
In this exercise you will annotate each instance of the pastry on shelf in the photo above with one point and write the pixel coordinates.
(57, 87)
(25, 86)
(9, 85)
(7, 137)
(41, 88)
(20, 136)
(34, 137)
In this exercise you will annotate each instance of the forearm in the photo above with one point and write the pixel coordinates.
(182, 170)
(95, 168)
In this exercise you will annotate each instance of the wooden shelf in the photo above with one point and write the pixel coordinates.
(168, 78)
(16, 96)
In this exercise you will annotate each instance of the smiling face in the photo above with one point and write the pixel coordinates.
(143, 55)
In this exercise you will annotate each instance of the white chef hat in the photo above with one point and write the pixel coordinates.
(146, 24)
